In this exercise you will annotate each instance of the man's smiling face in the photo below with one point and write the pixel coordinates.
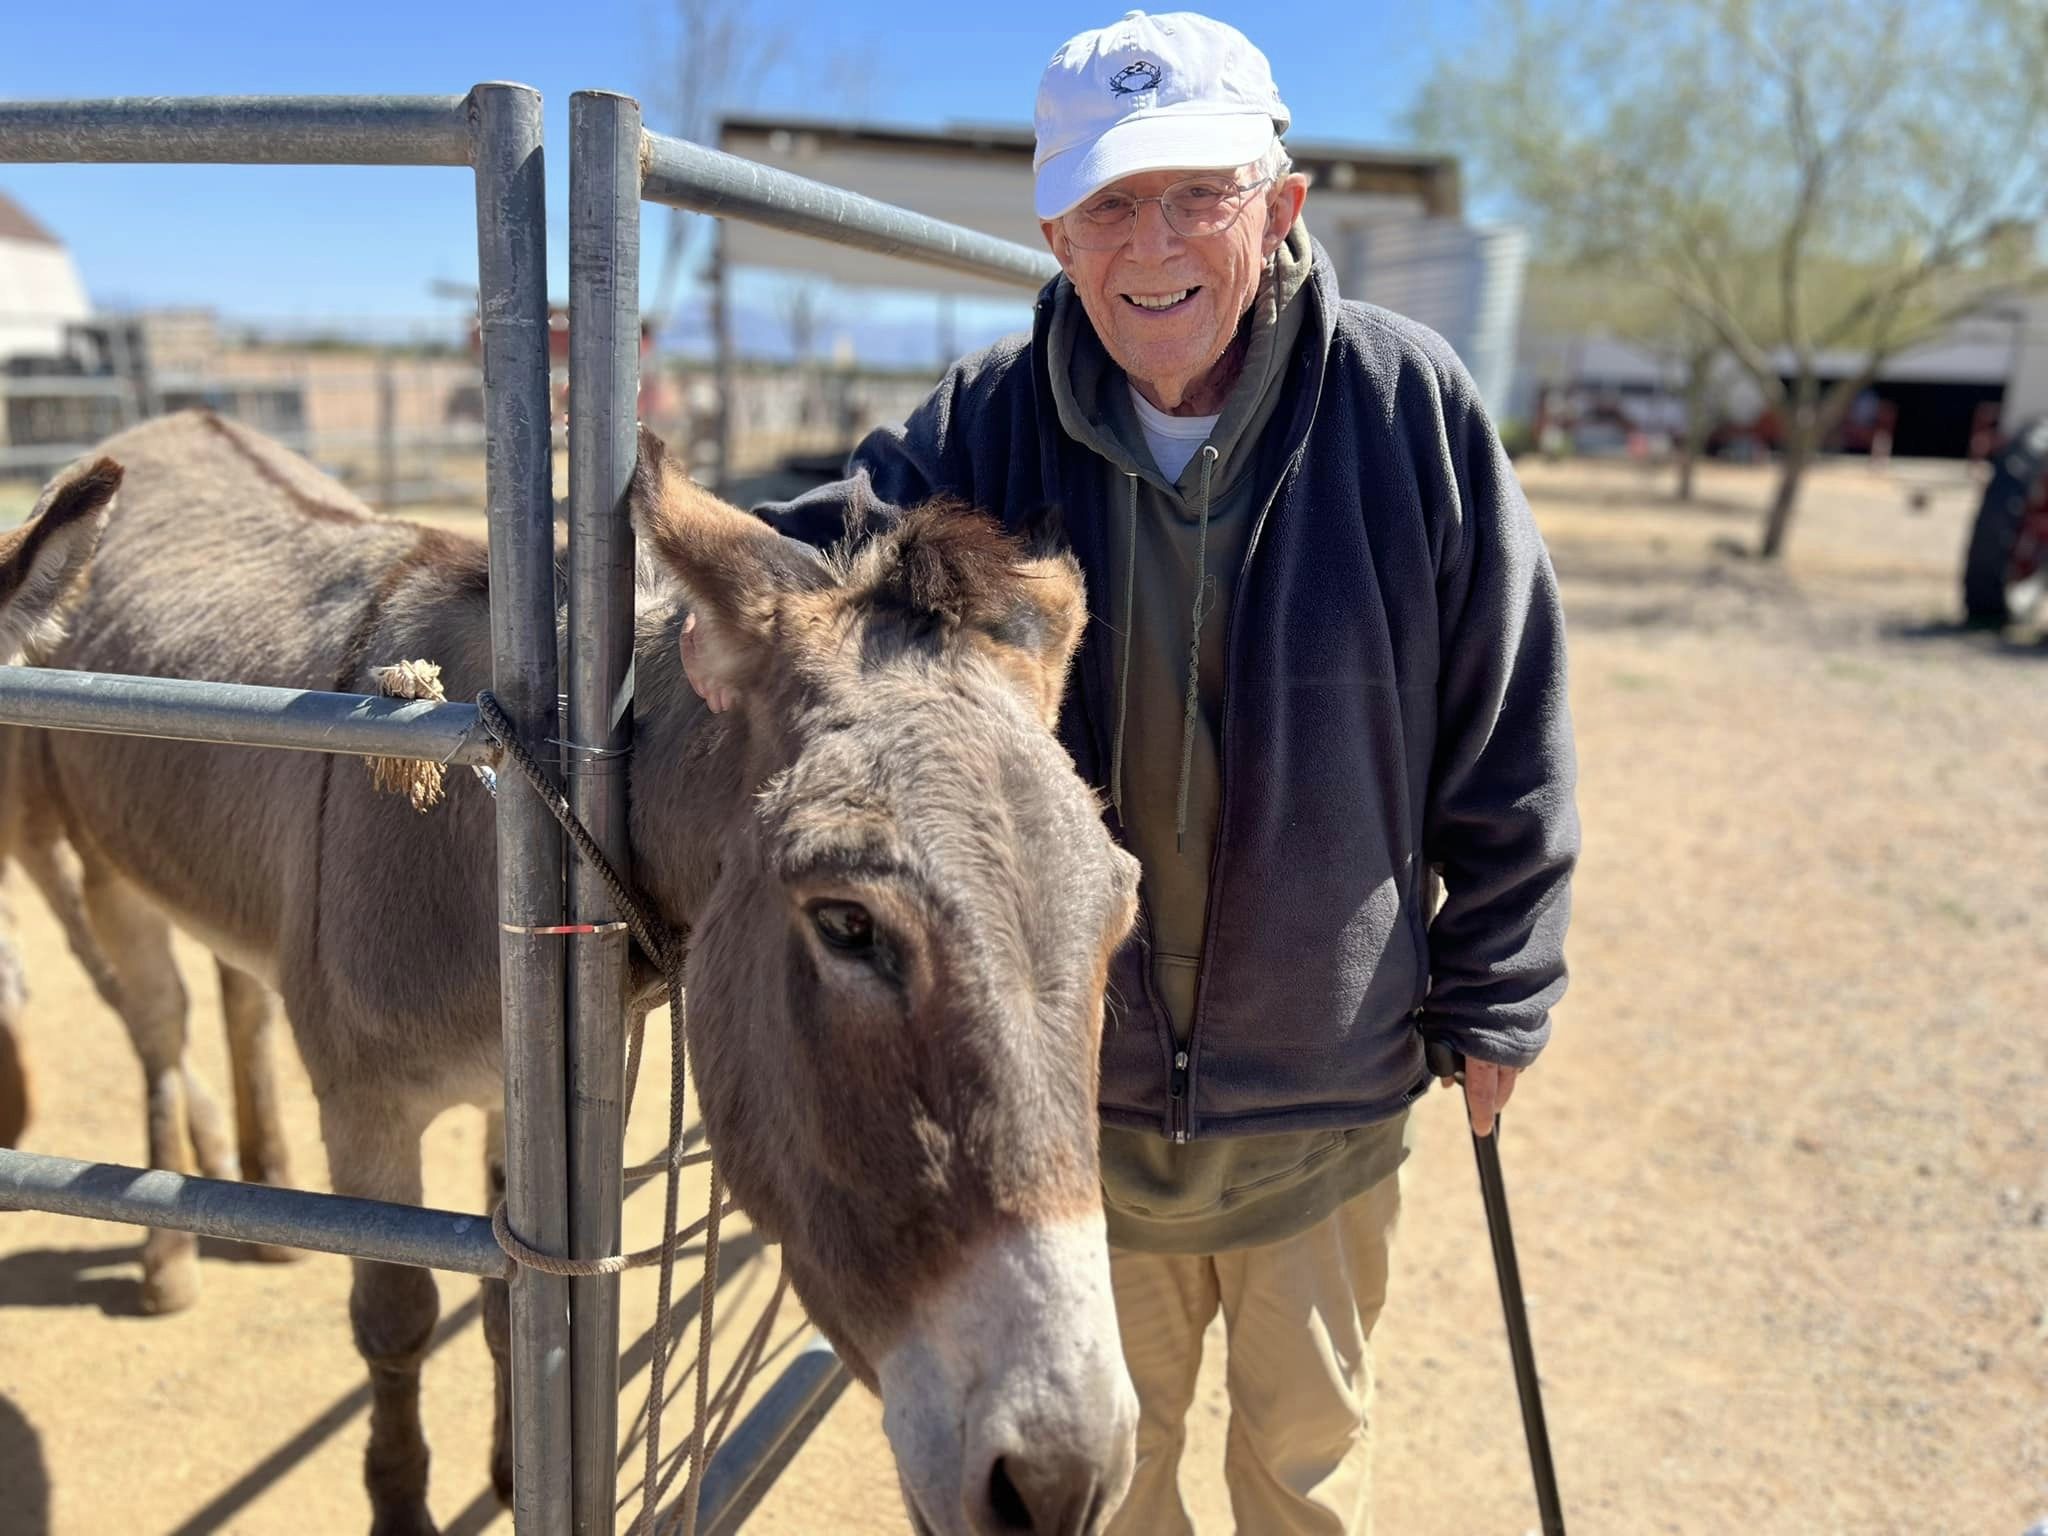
(1167, 307)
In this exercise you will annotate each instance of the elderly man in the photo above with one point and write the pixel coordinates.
(1325, 664)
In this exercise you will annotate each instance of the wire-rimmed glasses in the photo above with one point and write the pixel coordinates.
(1195, 208)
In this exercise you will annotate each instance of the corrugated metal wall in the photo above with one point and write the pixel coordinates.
(1464, 283)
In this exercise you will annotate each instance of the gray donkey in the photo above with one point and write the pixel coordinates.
(41, 563)
(902, 902)
(41, 566)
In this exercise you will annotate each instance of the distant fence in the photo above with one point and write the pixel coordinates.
(383, 422)
(401, 428)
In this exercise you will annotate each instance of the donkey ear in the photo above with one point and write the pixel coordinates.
(733, 567)
(1043, 629)
(42, 560)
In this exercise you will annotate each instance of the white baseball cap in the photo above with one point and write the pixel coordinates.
(1150, 93)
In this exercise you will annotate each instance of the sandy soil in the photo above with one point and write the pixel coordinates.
(1781, 1183)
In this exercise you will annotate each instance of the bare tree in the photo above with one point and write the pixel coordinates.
(798, 306)
(1701, 355)
(1819, 186)
(1574, 300)
(715, 56)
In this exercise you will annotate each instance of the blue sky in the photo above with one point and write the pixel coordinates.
(280, 243)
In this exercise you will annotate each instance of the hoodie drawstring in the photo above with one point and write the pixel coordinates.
(1192, 702)
(1123, 676)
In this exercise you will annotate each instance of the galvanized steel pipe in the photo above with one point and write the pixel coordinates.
(768, 1438)
(604, 388)
(239, 130)
(252, 1213)
(687, 175)
(237, 714)
(511, 221)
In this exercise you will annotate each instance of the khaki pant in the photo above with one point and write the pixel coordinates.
(1298, 1315)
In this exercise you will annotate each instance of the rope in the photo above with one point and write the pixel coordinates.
(657, 1365)
(578, 1269)
(731, 1390)
(667, 949)
(663, 945)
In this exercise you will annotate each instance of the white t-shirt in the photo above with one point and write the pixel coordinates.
(1173, 439)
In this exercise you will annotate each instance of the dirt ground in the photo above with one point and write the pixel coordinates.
(1780, 1183)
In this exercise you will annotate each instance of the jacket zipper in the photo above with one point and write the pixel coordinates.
(1176, 1112)
(1180, 1087)
(1184, 1076)
(1177, 1095)
(1181, 1072)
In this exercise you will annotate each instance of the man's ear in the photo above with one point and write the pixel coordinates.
(1057, 242)
(733, 567)
(1288, 198)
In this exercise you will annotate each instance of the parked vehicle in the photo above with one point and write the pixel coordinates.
(2005, 566)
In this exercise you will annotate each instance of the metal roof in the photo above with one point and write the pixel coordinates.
(16, 224)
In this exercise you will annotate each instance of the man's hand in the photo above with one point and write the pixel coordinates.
(1487, 1089)
(718, 698)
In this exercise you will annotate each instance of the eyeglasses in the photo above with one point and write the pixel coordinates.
(1195, 208)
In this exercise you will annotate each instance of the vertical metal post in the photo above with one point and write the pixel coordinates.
(604, 387)
(726, 363)
(512, 278)
(387, 434)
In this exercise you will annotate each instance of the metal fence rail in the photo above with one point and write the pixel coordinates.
(767, 1439)
(496, 130)
(242, 130)
(253, 1213)
(243, 715)
(685, 175)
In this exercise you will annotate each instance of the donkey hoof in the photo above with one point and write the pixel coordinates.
(501, 1476)
(411, 1521)
(170, 1288)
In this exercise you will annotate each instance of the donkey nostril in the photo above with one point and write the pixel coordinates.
(1005, 1500)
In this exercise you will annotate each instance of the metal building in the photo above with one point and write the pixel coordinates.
(1392, 221)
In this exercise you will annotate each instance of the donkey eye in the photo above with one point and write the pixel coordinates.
(845, 925)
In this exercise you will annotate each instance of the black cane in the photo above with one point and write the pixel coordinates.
(1446, 1062)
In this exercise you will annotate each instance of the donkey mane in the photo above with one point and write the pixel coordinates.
(942, 567)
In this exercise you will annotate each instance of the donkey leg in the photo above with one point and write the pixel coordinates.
(373, 1150)
(14, 1096)
(497, 1306)
(126, 963)
(249, 1010)
(133, 940)
(213, 1143)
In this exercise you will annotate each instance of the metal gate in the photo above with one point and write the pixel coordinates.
(564, 1069)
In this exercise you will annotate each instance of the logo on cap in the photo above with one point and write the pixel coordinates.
(1135, 77)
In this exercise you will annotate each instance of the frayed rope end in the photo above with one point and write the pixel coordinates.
(422, 784)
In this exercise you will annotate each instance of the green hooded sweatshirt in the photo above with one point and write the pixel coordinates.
(1177, 539)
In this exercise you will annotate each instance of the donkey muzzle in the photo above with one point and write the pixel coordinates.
(1007, 1404)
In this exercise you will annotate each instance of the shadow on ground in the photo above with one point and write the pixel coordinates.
(22, 1474)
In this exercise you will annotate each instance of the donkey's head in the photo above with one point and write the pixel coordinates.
(42, 560)
(896, 984)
